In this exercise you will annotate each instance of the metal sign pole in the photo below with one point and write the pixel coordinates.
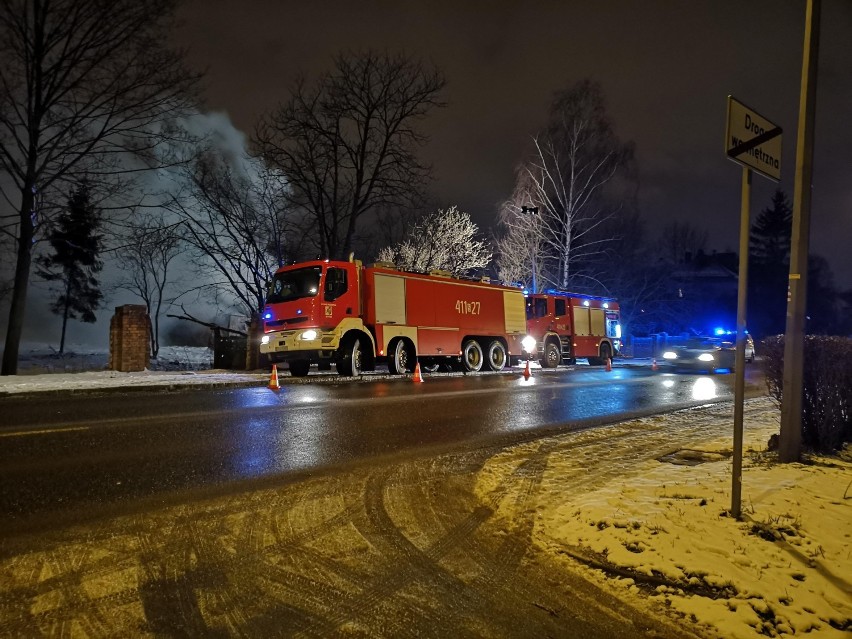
(790, 439)
(739, 363)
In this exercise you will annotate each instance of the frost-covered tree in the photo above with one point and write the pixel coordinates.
(447, 240)
(569, 177)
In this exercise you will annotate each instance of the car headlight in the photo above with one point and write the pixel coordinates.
(669, 355)
(705, 357)
(309, 335)
(528, 343)
(264, 339)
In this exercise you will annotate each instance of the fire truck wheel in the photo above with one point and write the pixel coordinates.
(552, 356)
(497, 355)
(351, 358)
(401, 358)
(606, 352)
(472, 356)
(299, 367)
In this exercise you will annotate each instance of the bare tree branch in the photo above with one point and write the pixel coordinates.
(235, 225)
(346, 145)
(567, 179)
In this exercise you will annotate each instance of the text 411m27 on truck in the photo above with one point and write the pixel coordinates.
(343, 313)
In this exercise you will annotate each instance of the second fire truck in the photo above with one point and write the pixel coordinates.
(569, 325)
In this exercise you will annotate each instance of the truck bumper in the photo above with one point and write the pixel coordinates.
(286, 346)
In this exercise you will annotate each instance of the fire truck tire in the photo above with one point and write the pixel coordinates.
(472, 357)
(497, 356)
(401, 358)
(299, 367)
(351, 358)
(552, 356)
(605, 353)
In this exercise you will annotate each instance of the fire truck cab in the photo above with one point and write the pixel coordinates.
(569, 325)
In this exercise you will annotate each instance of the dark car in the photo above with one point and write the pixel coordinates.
(730, 337)
(709, 354)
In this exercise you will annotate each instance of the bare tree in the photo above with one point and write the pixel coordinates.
(523, 237)
(347, 145)
(446, 240)
(234, 223)
(573, 164)
(151, 246)
(83, 83)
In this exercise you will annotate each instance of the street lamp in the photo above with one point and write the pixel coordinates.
(531, 210)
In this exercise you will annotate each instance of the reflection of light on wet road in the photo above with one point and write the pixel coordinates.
(256, 397)
(704, 388)
(268, 441)
(312, 425)
(266, 445)
(293, 396)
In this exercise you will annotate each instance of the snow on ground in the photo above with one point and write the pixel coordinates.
(663, 528)
(82, 367)
(37, 359)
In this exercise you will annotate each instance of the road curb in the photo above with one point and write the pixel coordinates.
(261, 381)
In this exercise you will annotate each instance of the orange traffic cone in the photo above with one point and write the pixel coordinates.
(654, 366)
(273, 379)
(417, 376)
(608, 364)
(527, 370)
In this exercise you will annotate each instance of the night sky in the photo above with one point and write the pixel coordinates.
(666, 68)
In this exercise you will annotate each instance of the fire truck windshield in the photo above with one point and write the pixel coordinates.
(294, 285)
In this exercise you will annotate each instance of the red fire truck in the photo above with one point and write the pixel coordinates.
(568, 325)
(354, 316)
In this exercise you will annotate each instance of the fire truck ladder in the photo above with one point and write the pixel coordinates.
(564, 347)
(565, 343)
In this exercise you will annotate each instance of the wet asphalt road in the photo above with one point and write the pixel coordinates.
(377, 509)
(70, 458)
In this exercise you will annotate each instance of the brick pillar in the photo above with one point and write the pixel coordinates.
(254, 360)
(129, 339)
